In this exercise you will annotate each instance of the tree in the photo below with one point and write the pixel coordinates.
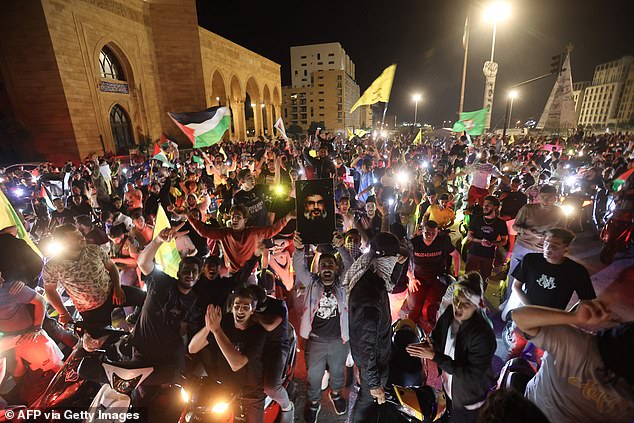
(314, 125)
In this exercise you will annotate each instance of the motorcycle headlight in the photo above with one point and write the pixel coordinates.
(571, 180)
(184, 395)
(219, 407)
(568, 209)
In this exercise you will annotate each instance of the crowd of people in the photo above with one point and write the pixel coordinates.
(396, 252)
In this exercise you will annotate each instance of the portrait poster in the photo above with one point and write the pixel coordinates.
(315, 210)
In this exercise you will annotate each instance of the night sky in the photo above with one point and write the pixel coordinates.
(425, 39)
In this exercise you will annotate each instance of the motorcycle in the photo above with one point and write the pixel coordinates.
(68, 388)
(616, 234)
(408, 398)
(207, 401)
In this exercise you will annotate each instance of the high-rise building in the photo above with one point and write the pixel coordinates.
(603, 98)
(323, 89)
(626, 105)
(578, 93)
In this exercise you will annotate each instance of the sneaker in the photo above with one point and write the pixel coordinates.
(311, 412)
(339, 403)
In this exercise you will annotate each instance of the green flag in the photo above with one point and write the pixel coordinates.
(472, 122)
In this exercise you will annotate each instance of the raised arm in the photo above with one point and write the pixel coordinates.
(302, 274)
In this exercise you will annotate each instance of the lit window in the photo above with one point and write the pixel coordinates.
(109, 66)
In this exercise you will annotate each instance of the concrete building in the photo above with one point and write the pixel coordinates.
(626, 105)
(323, 89)
(84, 76)
(578, 93)
(602, 98)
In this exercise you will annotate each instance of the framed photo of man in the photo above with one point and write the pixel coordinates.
(315, 210)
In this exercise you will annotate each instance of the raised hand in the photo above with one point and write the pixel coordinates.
(168, 234)
(297, 241)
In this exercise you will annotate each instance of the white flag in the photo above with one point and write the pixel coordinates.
(279, 125)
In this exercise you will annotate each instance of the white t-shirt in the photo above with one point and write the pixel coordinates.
(481, 174)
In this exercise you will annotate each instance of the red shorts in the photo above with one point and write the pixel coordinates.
(476, 195)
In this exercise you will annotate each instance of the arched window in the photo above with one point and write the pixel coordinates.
(121, 129)
(110, 67)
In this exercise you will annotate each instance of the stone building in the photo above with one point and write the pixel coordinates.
(87, 76)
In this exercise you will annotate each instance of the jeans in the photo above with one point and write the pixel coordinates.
(320, 353)
(274, 361)
(102, 316)
(365, 409)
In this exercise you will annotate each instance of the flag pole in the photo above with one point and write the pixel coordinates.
(464, 65)
(384, 112)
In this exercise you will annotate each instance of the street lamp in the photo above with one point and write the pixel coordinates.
(512, 95)
(416, 98)
(493, 13)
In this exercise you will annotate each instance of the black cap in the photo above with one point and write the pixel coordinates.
(385, 244)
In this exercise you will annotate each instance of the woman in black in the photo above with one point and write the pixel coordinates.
(462, 344)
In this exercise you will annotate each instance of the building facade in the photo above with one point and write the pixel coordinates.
(578, 93)
(604, 99)
(99, 76)
(626, 105)
(323, 89)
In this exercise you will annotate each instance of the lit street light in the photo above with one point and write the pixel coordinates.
(416, 98)
(493, 13)
(512, 95)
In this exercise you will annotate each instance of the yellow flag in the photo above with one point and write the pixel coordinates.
(419, 137)
(360, 132)
(512, 139)
(379, 90)
(350, 133)
(167, 256)
(8, 218)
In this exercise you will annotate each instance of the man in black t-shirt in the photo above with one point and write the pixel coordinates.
(486, 233)
(251, 197)
(511, 202)
(430, 256)
(549, 279)
(60, 215)
(169, 303)
(236, 343)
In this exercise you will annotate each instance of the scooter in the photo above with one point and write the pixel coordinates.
(209, 402)
(408, 398)
(68, 388)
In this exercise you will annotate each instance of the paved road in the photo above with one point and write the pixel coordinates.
(585, 250)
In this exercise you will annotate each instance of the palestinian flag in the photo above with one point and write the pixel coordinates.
(620, 181)
(203, 128)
